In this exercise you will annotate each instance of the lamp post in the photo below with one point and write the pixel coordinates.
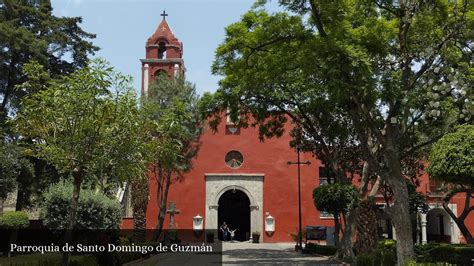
(298, 163)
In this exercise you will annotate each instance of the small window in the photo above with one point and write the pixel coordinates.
(234, 159)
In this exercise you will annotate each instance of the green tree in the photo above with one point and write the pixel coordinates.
(12, 221)
(336, 199)
(397, 71)
(174, 106)
(11, 165)
(452, 161)
(29, 31)
(80, 123)
(256, 82)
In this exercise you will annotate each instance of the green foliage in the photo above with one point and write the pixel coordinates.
(11, 165)
(446, 253)
(335, 198)
(29, 31)
(87, 121)
(95, 210)
(387, 244)
(173, 105)
(14, 220)
(452, 158)
(378, 257)
(19, 170)
(384, 78)
(320, 249)
(418, 202)
(385, 254)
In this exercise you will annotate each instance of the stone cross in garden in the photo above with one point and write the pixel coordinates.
(172, 211)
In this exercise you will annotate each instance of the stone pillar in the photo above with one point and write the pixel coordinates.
(146, 78)
(394, 233)
(423, 228)
(176, 70)
(256, 220)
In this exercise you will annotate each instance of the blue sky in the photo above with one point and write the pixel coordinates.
(123, 26)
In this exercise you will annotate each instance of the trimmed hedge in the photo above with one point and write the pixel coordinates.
(14, 220)
(428, 254)
(95, 210)
(449, 253)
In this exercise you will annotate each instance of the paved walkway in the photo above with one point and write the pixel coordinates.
(239, 253)
(268, 254)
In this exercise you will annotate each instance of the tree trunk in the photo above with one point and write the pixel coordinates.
(337, 228)
(139, 204)
(163, 206)
(139, 225)
(72, 213)
(2, 201)
(20, 198)
(345, 250)
(367, 238)
(460, 220)
(400, 214)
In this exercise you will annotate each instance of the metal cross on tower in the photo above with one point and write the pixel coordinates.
(164, 15)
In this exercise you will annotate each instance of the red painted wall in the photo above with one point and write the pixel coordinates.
(280, 194)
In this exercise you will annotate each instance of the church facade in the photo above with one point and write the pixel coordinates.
(251, 186)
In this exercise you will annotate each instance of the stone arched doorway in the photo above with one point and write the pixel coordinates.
(438, 226)
(217, 185)
(234, 209)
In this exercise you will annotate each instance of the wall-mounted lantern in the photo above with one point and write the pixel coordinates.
(198, 223)
(269, 224)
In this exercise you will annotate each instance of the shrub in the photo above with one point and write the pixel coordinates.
(454, 254)
(385, 254)
(378, 257)
(14, 220)
(387, 244)
(95, 210)
(320, 249)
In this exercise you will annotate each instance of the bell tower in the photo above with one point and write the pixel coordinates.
(164, 54)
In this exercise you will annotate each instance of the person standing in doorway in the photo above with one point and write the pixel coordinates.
(225, 231)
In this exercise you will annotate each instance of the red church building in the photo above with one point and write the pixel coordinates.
(250, 185)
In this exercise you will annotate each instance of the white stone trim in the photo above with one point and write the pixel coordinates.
(145, 79)
(233, 174)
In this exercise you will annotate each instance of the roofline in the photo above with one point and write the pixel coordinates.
(167, 60)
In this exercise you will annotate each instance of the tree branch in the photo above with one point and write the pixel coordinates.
(316, 14)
